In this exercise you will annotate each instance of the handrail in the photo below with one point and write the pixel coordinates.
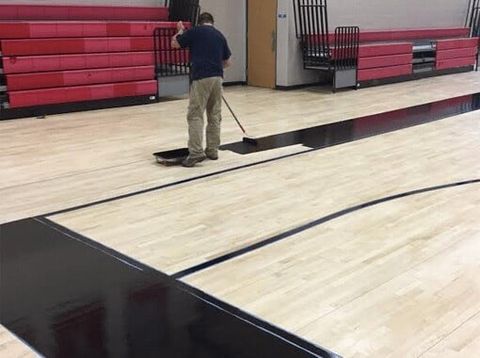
(169, 61)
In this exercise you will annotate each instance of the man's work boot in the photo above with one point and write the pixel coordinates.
(212, 154)
(190, 161)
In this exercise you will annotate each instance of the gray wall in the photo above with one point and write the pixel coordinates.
(381, 14)
(230, 18)
(368, 14)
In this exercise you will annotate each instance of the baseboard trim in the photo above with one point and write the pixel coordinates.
(46, 110)
(234, 83)
(300, 86)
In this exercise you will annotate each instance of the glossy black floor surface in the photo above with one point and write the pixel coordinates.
(362, 127)
(69, 299)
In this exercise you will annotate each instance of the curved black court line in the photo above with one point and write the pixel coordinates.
(299, 229)
(373, 125)
(74, 280)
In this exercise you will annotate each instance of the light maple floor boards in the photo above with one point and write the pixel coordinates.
(404, 273)
(180, 227)
(388, 281)
(395, 280)
(463, 342)
(72, 159)
(12, 347)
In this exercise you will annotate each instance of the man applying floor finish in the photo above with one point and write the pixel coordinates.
(210, 55)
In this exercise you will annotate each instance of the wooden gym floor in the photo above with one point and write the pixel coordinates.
(396, 277)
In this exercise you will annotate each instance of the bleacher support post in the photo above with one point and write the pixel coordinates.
(345, 59)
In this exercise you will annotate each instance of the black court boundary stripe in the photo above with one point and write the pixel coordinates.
(175, 183)
(234, 254)
(257, 322)
(265, 161)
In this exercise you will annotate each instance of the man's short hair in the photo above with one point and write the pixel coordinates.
(206, 18)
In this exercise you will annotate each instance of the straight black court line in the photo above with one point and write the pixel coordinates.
(310, 225)
(325, 136)
(169, 185)
(332, 134)
(77, 300)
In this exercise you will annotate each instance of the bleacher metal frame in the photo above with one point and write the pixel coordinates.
(473, 22)
(168, 61)
(172, 66)
(183, 10)
(339, 61)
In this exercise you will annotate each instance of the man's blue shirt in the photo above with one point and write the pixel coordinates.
(208, 49)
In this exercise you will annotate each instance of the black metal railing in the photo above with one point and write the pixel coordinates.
(169, 61)
(3, 86)
(311, 27)
(473, 18)
(336, 54)
(183, 10)
(473, 22)
(345, 52)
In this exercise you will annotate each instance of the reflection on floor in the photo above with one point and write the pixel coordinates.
(328, 135)
(67, 299)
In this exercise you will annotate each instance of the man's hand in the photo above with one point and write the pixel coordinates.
(227, 63)
(180, 29)
(180, 26)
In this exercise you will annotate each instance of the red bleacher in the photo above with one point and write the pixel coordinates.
(389, 53)
(402, 35)
(456, 53)
(384, 61)
(412, 34)
(53, 29)
(393, 55)
(58, 13)
(17, 82)
(384, 72)
(61, 46)
(63, 54)
(30, 98)
(378, 61)
(23, 64)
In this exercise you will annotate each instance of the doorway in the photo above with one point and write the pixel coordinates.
(262, 43)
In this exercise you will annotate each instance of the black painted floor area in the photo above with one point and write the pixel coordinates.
(363, 127)
(68, 299)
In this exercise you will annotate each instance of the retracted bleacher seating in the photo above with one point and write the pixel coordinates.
(384, 56)
(61, 55)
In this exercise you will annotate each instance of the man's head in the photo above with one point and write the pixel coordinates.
(205, 19)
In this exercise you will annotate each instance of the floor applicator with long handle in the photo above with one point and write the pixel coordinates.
(247, 139)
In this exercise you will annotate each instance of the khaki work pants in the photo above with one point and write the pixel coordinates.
(205, 94)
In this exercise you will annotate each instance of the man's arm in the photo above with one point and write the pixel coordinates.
(175, 45)
(181, 29)
(227, 63)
